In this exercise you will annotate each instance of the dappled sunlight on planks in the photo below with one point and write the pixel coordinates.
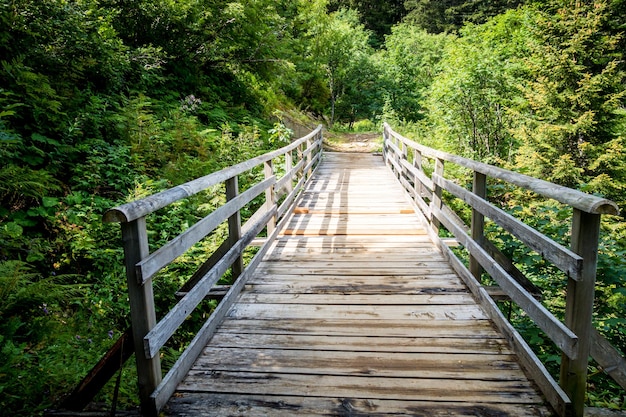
(354, 311)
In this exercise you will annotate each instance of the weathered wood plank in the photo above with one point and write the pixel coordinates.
(454, 366)
(361, 242)
(372, 324)
(354, 265)
(195, 404)
(428, 389)
(425, 343)
(282, 269)
(356, 286)
(358, 299)
(358, 312)
(468, 329)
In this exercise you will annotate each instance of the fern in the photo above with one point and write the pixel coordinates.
(19, 184)
(22, 290)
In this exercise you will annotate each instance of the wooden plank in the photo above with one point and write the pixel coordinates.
(357, 312)
(354, 264)
(520, 392)
(338, 254)
(468, 329)
(365, 284)
(415, 344)
(456, 366)
(142, 311)
(251, 405)
(354, 241)
(609, 358)
(357, 298)
(392, 270)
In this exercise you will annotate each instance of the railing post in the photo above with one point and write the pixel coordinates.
(299, 154)
(288, 168)
(309, 158)
(268, 169)
(143, 316)
(417, 163)
(385, 140)
(579, 307)
(234, 225)
(405, 156)
(436, 201)
(479, 188)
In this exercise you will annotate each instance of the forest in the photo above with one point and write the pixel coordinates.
(106, 101)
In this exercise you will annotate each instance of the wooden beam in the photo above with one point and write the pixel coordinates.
(101, 373)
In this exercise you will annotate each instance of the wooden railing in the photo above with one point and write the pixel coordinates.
(576, 338)
(299, 158)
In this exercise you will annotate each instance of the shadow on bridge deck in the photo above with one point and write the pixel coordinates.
(354, 311)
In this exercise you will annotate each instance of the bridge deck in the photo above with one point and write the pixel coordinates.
(355, 312)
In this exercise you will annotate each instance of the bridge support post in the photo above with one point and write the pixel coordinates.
(417, 163)
(309, 158)
(234, 225)
(436, 201)
(385, 139)
(268, 169)
(478, 223)
(143, 316)
(288, 167)
(579, 308)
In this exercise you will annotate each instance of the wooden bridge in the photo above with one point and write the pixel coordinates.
(353, 305)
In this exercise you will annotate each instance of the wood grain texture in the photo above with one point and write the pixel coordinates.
(349, 316)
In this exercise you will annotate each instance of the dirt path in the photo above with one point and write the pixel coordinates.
(352, 142)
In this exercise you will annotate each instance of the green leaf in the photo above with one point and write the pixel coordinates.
(13, 230)
(49, 201)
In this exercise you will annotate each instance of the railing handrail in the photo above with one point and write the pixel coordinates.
(149, 336)
(576, 337)
(140, 208)
(574, 198)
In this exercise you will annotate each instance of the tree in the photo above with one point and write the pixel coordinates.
(410, 64)
(338, 46)
(468, 102)
(438, 16)
(572, 116)
(377, 16)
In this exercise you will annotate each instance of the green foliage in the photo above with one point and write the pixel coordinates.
(106, 101)
(410, 63)
(450, 15)
(379, 17)
(573, 94)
